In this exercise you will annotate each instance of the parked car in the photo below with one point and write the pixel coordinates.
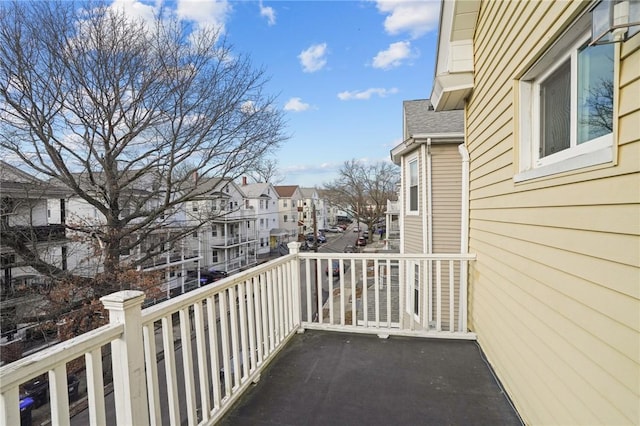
(350, 249)
(38, 390)
(335, 268)
(356, 229)
(335, 229)
(322, 239)
(361, 242)
(365, 234)
(208, 276)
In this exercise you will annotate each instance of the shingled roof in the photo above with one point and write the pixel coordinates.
(285, 191)
(420, 118)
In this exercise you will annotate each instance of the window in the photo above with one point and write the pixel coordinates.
(194, 207)
(285, 217)
(261, 223)
(284, 203)
(566, 106)
(262, 204)
(195, 234)
(413, 185)
(214, 255)
(214, 231)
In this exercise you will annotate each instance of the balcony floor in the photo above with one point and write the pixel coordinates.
(323, 378)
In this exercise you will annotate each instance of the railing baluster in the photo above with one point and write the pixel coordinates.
(342, 291)
(151, 369)
(452, 298)
(187, 365)
(235, 371)
(170, 369)
(438, 295)
(251, 321)
(95, 387)
(224, 339)
(58, 396)
(388, 285)
(376, 290)
(201, 348)
(354, 289)
(365, 301)
(214, 356)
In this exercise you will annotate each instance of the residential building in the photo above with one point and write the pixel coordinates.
(33, 214)
(431, 178)
(430, 190)
(290, 198)
(312, 215)
(263, 199)
(551, 128)
(228, 236)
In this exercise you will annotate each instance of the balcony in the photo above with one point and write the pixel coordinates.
(372, 350)
(40, 234)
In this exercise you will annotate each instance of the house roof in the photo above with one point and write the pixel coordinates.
(256, 190)
(286, 191)
(422, 124)
(420, 118)
(308, 192)
(16, 181)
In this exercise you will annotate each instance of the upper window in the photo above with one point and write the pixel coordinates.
(413, 186)
(566, 107)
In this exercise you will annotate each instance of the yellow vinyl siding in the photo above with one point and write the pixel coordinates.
(555, 290)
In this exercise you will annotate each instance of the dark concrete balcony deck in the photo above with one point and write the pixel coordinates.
(329, 378)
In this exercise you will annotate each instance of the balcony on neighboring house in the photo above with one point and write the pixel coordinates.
(307, 338)
(40, 233)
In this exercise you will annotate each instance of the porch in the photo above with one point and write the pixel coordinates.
(195, 359)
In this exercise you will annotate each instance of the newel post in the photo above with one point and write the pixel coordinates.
(294, 248)
(129, 384)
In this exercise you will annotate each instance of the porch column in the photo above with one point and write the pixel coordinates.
(129, 384)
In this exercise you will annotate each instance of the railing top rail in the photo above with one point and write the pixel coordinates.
(390, 256)
(40, 362)
(156, 312)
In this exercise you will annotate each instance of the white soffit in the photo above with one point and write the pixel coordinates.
(453, 81)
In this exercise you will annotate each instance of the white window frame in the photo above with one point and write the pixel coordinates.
(410, 162)
(594, 152)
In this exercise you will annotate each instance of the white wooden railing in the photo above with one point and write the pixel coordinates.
(188, 359)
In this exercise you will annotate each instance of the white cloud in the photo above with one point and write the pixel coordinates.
(136, 9)
(366, 94)
(393, 56)
(314, 58)
(296, 104)
(212, 13)
(268, 13)
(413, 17)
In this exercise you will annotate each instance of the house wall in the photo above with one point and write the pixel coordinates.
(554, 293)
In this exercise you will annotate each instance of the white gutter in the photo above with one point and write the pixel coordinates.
(464, 222)
(464, 237)
(429, 198)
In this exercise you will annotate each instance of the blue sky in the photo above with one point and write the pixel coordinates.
(341, 70)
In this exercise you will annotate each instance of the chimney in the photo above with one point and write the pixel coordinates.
(244, 181)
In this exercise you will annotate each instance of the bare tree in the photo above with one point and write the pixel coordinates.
(362, 190)
(267, 171)
(129, 116)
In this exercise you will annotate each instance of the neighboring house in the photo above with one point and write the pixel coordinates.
(431, 170)
(32, 212)
(311, 213)
(431, 186)
(553, 135)
(290, 197)
(227, 238)
(263, 199)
